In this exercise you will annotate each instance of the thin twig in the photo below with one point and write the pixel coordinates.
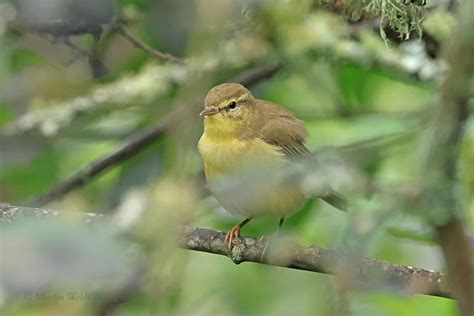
(131, 147)
(147, 49)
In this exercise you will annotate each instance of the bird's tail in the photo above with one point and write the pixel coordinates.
(335, 199)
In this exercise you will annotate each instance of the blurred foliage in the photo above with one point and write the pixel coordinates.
(346, 79)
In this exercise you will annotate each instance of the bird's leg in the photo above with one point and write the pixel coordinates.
(235, 232)
(280, 223)
(265, 238)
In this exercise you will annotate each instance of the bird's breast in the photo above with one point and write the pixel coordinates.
(247, 176)
(225, 156)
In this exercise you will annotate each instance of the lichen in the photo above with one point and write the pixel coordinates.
(236, 255)
(404, 17)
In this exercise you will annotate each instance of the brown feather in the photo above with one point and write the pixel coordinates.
(283, 130)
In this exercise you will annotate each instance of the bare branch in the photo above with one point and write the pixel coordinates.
(131, 147)
(147, 49)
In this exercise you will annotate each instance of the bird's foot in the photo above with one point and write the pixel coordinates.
(231, 235)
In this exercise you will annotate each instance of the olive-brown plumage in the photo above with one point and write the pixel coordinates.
(246, 147)
(257, 118)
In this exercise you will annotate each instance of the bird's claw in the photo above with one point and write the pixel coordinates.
(230, 236)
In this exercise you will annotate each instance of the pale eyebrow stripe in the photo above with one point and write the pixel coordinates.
(242, 97)
(225, 103)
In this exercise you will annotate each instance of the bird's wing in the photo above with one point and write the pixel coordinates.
(287, 133)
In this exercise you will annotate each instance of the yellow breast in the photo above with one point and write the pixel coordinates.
(228, 155)
(246, 176)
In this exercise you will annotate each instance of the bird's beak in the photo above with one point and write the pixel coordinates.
(209, 111)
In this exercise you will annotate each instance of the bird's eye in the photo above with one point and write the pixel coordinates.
(232, 105)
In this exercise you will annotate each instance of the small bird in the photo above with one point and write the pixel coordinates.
(246, 147)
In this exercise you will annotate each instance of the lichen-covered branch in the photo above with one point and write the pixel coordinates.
(155, 81)
(151, 83)
(406, 279)
(12, 214)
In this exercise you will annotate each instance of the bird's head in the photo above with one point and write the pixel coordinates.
(229, 108)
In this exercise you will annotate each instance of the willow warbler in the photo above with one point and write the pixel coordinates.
(246, 145)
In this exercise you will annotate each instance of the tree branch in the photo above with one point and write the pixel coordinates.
(412, 280)
(403, 278)
(147, 49)
(442, 203)
(12, 213)
(139, 141)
